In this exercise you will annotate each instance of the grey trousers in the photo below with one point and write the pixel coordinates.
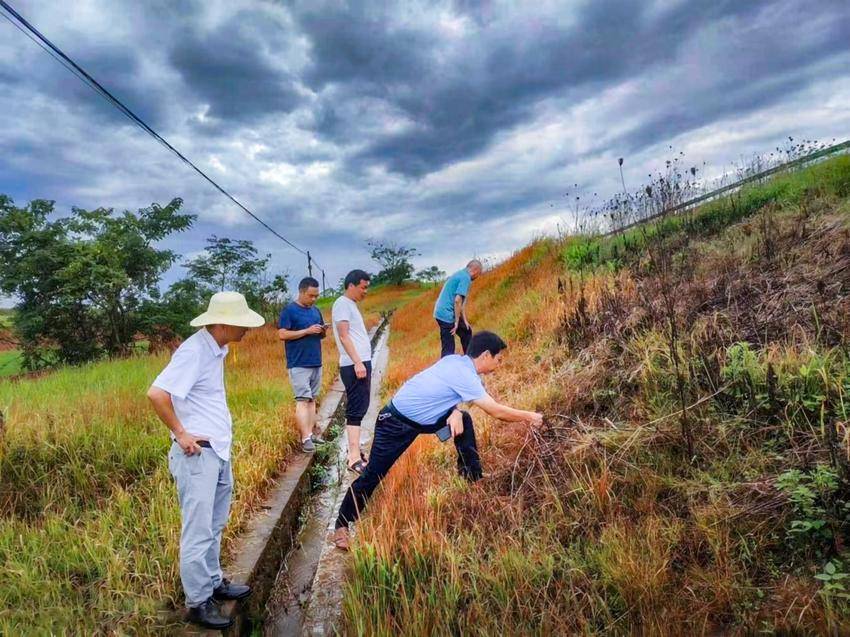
(204, 485)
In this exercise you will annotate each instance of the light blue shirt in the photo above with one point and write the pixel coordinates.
(458, 283)
(433, 391)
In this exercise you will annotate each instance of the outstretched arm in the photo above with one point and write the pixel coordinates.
(508, 414)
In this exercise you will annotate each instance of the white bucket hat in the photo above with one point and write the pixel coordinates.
(228, 308)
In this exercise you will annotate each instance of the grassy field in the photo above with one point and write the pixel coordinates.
(10, 359)
(89, 523)
(10, 362)
(625, 514)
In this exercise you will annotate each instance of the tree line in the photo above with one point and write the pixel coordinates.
(88, 285)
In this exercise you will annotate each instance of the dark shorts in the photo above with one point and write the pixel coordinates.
(357, 391)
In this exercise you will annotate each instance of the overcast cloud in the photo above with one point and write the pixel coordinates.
(454, 127)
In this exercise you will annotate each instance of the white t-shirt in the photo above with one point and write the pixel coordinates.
(344, 309)
(195, 380)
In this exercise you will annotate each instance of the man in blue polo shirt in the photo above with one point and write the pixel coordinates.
(425, 404)
(302, 329)
(450, 308)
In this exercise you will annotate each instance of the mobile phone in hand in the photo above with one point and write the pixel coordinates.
(444, 434)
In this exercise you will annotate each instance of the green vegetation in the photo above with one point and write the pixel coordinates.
(88, 284)
(89, 522)
(830, 178)
(89, 525)
(10, 362)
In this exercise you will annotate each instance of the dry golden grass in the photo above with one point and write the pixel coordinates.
(596, 523)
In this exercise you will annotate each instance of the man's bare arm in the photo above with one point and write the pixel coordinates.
(342, 328)
(164, 408)
(294, 335)
(460, 312)
(508, 414)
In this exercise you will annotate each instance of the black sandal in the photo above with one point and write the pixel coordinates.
(357, 467)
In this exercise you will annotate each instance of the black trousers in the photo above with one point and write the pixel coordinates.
(357, 392)
(447, 339)
(392, 438)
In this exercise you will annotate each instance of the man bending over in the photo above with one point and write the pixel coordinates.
(425, 404)
(450, 308)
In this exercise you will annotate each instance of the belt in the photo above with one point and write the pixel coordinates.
(200, 443)
(400, 416)
(441, 421)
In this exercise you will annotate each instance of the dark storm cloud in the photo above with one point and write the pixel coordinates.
(361, 45)
(492, 82)
(766, 64)
(232, 69)
(116, 67)
(335, 121)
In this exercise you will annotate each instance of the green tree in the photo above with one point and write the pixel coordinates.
(431, 275)
(394, 260)
(82, 281)
(235, 265)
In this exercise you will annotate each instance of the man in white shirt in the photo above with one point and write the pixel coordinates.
(355, 360)
(189, 397)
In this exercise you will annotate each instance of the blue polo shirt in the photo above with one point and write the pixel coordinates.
(305, 351)
(458, 283)
(433, 391)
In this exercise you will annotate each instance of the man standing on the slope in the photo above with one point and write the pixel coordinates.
(355, 360)
(189, 397)
(425, 404)
(302, 328)
(450, 308)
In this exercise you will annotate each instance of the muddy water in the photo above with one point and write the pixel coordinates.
(307, 597)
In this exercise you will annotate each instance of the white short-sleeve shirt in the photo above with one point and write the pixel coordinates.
(195, 379)
(344, 309)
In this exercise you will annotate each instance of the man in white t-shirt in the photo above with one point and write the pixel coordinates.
(189, 397)
(355, 360)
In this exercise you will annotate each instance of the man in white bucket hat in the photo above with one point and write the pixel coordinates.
(189, 397)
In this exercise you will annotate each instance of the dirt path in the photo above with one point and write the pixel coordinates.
(307, 599)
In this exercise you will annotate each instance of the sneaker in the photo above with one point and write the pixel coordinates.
(318, 440)
(307, 446)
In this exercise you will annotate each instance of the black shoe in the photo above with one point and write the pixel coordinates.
(208, 615)
(226, 590)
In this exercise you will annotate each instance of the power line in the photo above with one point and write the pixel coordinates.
(75, 69)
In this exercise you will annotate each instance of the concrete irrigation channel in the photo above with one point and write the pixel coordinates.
(285, 554)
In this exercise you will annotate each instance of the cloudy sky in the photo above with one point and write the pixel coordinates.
(453, 127)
